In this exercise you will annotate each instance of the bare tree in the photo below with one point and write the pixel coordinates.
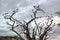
(39, 32)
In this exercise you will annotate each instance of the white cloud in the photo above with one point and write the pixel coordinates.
(56, 19)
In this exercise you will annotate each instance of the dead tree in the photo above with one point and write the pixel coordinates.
(40, 31)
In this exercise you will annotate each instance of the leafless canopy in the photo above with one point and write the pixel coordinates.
(39, 32)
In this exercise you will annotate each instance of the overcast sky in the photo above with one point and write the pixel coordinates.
(25, 7)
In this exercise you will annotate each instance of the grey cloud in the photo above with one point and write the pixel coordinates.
(6, 5)
(51, 6)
